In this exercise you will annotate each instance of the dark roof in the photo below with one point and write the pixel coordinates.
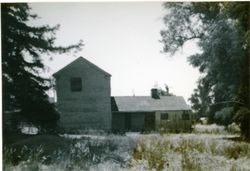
(147, 103)
(81, 59)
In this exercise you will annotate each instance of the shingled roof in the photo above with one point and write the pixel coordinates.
(148, 104)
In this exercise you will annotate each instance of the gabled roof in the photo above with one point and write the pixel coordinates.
(81, 59)
(148, 104)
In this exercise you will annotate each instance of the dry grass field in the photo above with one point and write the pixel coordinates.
(207, 148)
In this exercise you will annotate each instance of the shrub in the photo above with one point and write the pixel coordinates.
(243, 118)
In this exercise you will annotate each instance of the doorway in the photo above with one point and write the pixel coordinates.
(127, 121)
(149, 122)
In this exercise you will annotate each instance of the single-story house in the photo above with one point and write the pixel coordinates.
(146, 113)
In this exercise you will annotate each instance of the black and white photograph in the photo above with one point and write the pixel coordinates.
(125, 86)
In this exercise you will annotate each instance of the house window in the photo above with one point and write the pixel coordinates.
(185, 115)
(76, 84)
(164, 116)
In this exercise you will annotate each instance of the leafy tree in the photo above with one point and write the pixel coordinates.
(241, 12)
(24, 90)
(200, 99)
(224, 116)
(222, 31)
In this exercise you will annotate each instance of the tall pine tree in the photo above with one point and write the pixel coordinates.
(24, 90)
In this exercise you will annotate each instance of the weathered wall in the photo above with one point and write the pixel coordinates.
(89, 108)
(120, 121)
(175, 121)
(137, 121)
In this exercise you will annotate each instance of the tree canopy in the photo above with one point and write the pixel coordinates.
(23, 47)
(222, 32)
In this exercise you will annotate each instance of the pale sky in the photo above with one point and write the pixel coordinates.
(122, 38)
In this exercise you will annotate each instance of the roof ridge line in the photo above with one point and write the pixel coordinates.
(87, 61)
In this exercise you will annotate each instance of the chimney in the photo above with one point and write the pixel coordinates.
(155, 93)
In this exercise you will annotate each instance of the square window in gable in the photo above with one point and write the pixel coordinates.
(76, 84)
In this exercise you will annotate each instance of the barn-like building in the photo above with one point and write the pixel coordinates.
(83, 96)
(84, 102)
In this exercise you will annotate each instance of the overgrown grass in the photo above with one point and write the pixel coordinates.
(80, 154)
(206, 150)
(209, 129)
(190, 152)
